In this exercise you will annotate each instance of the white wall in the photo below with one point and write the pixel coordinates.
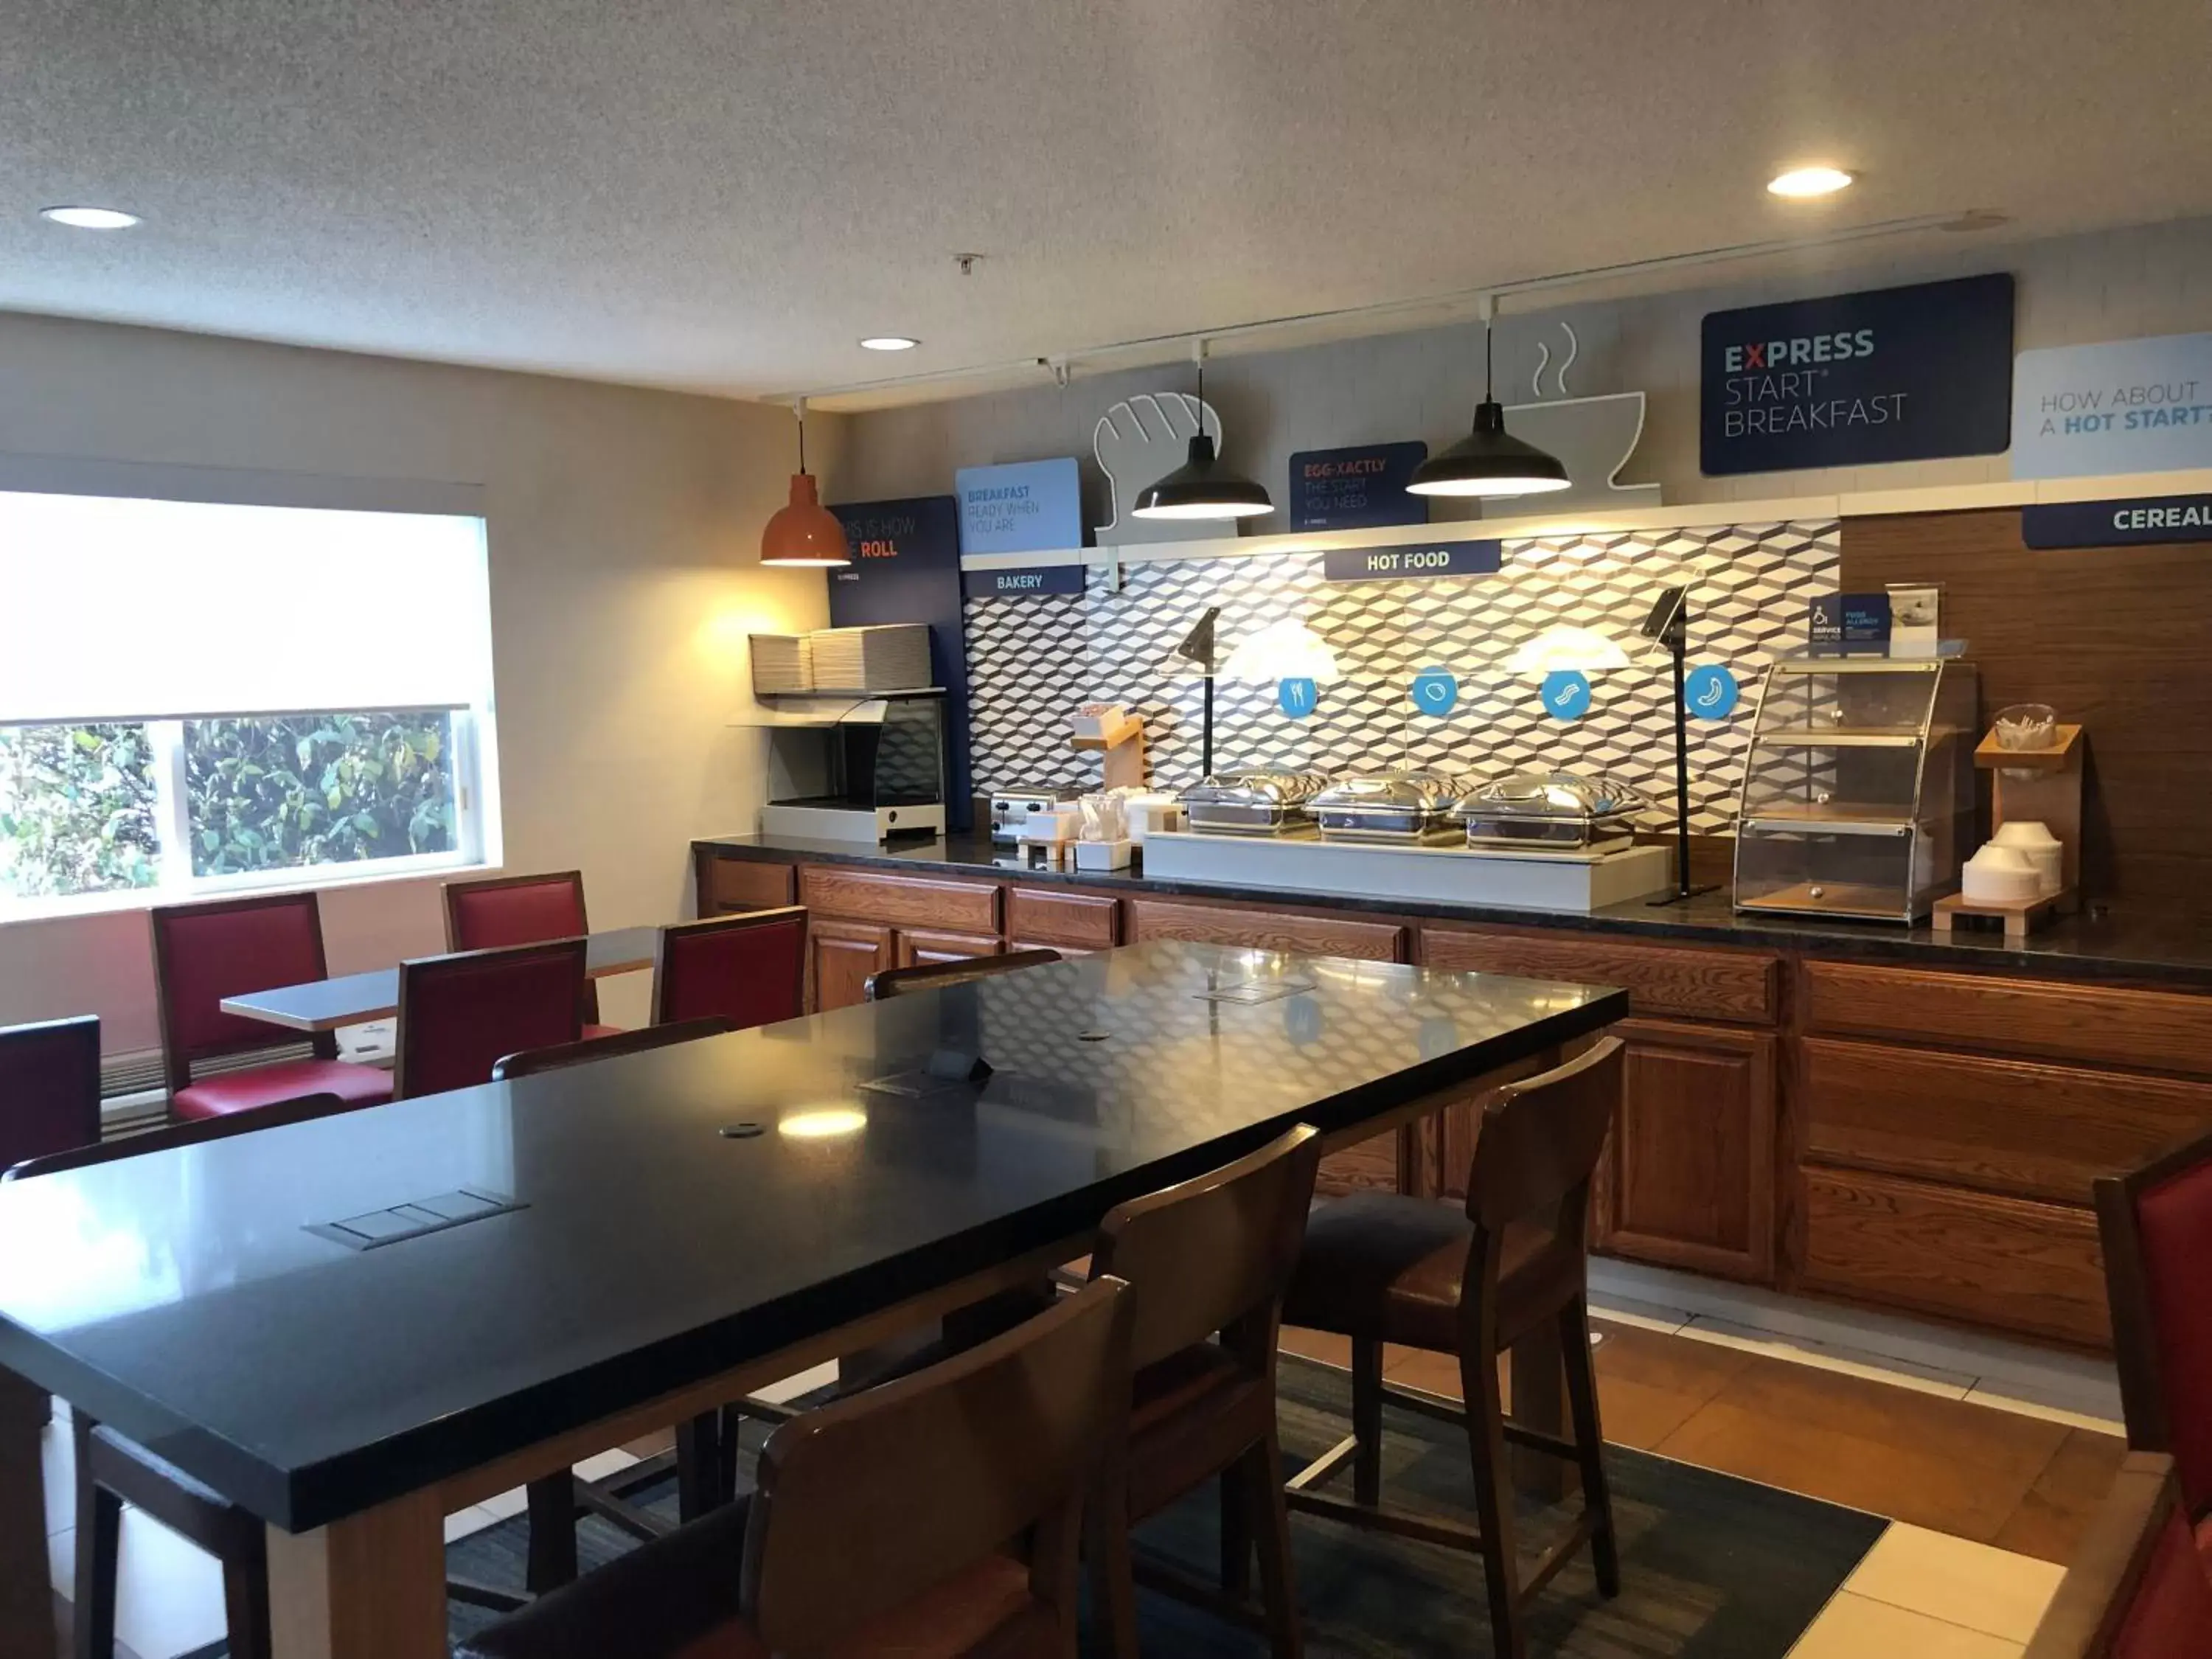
(2154, 280)
(624, 529)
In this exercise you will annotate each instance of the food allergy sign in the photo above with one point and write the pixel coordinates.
(1890, 374)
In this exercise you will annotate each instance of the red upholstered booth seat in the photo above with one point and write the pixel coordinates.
(265, 1085)
(749, 970)
(205, 952)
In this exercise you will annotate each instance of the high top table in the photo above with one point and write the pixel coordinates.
(690, 1224)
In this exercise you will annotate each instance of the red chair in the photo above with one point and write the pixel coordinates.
(501, 910)
(2135, 1589)
(460, 1015)
(205, 952)
(2156, 1223)
(49, 1088)
(749, 970)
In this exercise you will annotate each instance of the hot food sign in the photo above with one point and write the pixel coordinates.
(1890, 374)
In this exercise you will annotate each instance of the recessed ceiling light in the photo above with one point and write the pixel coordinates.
(1809, 181)
(889, 342)
(90, 218)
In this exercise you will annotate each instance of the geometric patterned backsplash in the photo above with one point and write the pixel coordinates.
(1031, 661)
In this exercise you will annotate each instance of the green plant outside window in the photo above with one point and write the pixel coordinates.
(76, 811)
(277, 793)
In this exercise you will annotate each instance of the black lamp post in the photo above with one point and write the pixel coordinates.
(1670, 624)
(1198, 648)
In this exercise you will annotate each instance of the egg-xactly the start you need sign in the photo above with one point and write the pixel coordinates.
(1889, 375)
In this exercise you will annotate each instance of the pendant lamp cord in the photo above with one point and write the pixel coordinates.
(799, 408)
(1198, 351)
(1489, 310)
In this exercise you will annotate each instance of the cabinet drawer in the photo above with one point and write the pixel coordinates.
(955, 906)
(2004, 1262)
(917, 947)
(726, 886)
(2011, 1125)
(1659, 979)
(2159, 1031)
(1265, 930)
(1086, 920)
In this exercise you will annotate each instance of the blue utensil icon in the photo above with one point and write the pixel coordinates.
(1435, 692)
(1567, 694)
(1709, 692)
(1296, 697)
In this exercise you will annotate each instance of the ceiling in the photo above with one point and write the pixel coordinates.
(724, 195)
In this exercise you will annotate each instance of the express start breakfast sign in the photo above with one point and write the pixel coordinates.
(1890, 374)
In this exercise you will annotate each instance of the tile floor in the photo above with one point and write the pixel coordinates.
(1988, 1490)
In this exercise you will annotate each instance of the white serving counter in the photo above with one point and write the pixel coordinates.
(1572, 882)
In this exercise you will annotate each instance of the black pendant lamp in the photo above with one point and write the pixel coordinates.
(1201, 488)
(1490, 461)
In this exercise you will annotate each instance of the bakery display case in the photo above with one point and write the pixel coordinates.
(1858, 790)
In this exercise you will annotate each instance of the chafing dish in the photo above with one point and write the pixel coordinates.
(1252, 803)
(1553, 811)
(1390, 806)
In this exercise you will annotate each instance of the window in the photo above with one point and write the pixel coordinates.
(198, 697)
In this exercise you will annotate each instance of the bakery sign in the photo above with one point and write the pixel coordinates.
(1889, 375)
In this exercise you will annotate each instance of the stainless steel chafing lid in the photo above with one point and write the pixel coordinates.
(1540, 794)
(1391, 792)
(1254, 788)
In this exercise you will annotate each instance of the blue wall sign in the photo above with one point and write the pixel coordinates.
(1028, 506)
(2121, 406)
(906, 569)
(1434, 692)
(1296, 697)
(1035, 582)
(1889, 375)
(1380, 564)
(1361, 487)
(1567, 694)
(1708, 692)
(2118, 523)
(1843, 619)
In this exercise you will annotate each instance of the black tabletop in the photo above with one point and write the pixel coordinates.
(182, 1296)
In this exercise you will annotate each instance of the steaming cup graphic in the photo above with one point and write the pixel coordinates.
(1141, 439)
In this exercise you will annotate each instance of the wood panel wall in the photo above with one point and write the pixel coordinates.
(2118, 638)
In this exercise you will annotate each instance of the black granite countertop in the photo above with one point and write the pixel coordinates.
(2164, 950)
(184, 1296)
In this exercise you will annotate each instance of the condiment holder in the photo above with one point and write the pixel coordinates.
(2035, 817)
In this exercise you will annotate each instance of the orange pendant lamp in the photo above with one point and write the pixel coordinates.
(804, 532)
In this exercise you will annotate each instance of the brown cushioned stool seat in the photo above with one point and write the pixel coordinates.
(1380, 1266)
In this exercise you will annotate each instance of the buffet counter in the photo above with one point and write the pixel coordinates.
(1867, 1112)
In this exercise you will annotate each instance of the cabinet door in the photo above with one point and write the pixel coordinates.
(840, 957)
(728, 885)
(916, 947)
(1689, 1180)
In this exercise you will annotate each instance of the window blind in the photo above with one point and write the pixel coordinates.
(117, 609)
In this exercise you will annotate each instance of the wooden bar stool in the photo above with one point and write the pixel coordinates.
(1211, 1256)
(936, 1516)
(1384, 1268)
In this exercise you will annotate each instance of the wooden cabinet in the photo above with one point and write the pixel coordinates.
(1265, 930)
(729, 886)
(1052, 919)
(2027, 1127)
(1689, 1177)
(2157, 1031)
(914, 946)
(2007, 1262)
(1660, 979)
(840, 957)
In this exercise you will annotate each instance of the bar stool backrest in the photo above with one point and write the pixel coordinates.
(866, 1503)
(49, 1087)
(1539, 1144)
(460, 1015)
(561, 1055)
(305, 1109)
(2136, 1587)
(935, 975)
(1209, 1253)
